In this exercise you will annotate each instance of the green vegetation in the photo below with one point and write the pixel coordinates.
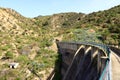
(9, 55)
(107, 23)
(22, 59)
(36, 37)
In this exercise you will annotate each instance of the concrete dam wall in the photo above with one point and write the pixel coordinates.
(82, 61)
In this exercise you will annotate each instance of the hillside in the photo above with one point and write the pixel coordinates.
(31, 42)
(107, 23)
(24, 42)
(102, 26)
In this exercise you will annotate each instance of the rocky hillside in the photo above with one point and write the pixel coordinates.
(102, 26)
(107, 23)
(31, 42)
(26, 43)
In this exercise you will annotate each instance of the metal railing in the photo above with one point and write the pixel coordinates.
(106, 72)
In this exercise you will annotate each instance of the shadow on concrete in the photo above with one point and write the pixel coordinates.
(57, 75)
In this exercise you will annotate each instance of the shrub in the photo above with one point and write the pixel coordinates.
(9, 54)
(45, 23)
(5, 48)
(22, 59)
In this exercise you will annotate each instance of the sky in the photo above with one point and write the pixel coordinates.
(34, 8)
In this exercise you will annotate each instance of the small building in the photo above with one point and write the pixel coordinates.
(13, 65)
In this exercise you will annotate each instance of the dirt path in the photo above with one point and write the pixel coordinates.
(115, 59)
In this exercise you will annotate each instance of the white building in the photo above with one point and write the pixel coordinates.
(13, 65)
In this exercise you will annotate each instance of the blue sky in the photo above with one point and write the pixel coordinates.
(33, 8)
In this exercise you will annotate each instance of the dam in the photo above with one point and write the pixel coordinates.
(88, 61)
